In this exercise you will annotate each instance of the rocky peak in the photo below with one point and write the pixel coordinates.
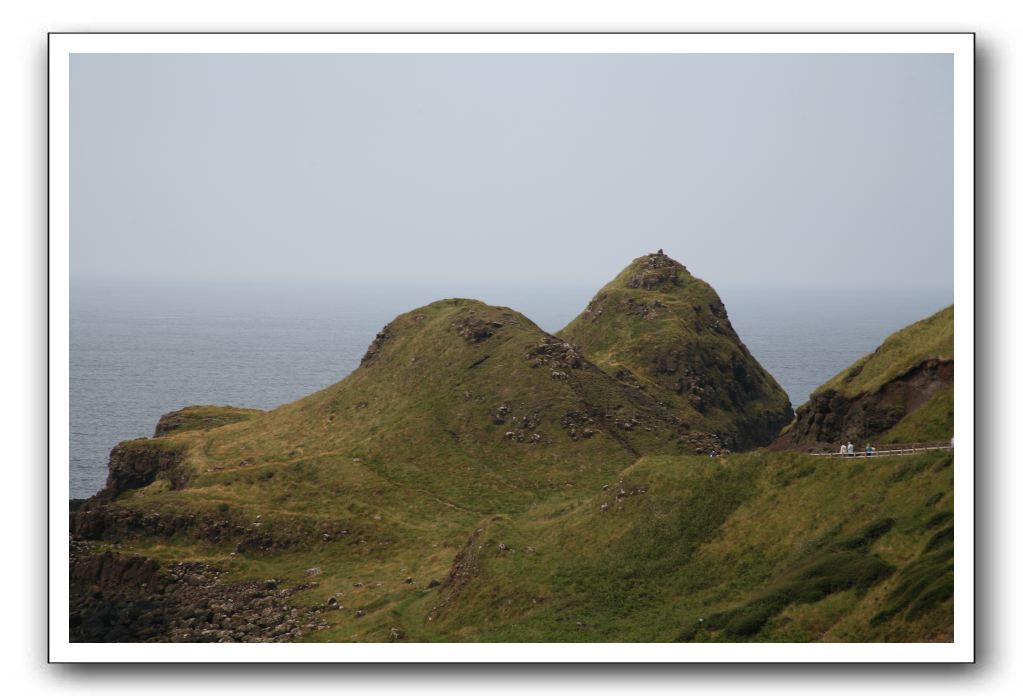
(653, 270)
(670, 330)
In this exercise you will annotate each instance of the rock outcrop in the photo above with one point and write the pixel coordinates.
(831, 417)
(138, 463)
(117, 598)
(900, 392)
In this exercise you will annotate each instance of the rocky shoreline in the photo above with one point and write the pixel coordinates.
(125, 598)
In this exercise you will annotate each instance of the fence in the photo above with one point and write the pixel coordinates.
(891, 450)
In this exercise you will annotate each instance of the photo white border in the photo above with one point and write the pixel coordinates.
(61, 46)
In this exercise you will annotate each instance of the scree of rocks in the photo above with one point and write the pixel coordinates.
(656, 269)
(474, 329)
(556, 354)
(118, 598)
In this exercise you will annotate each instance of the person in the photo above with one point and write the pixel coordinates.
(849, 449)
(841, 450)
(870, 450)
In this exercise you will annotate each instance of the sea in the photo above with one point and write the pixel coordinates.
(141, 349)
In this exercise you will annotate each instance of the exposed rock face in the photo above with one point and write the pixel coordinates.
(911, 371)
(554, 353)
(657, 326)
(464, 569)
(656, 269)
(475, 329)
(385, 334)
(831, 417)
(137, 463)
(97, 520)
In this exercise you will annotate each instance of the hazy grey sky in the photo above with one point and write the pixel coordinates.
(772, 170)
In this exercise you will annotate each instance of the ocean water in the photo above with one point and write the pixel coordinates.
(140, 350)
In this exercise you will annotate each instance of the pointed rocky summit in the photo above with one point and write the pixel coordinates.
(658, 326)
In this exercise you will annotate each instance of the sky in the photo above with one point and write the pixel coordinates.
(756, 171)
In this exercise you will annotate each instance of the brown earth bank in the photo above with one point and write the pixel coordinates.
(829, 417)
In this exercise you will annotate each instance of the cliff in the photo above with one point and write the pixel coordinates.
(901, 392)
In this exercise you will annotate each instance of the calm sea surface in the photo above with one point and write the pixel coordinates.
(139, 351)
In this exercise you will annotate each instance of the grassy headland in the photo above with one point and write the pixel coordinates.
(477, 479)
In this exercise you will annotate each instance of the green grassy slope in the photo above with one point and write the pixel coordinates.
(472, 404)
(670, 332)
(756, 547)
(931, 422)
(929, 338)
(764, 546)
(202, 418)
(459, 410)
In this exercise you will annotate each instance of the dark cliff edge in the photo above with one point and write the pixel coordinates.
(138, 463)
(901, 392)
(119, 598)
(116, 597)
(831, 417)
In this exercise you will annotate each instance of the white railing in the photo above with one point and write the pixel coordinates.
(899, 450)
